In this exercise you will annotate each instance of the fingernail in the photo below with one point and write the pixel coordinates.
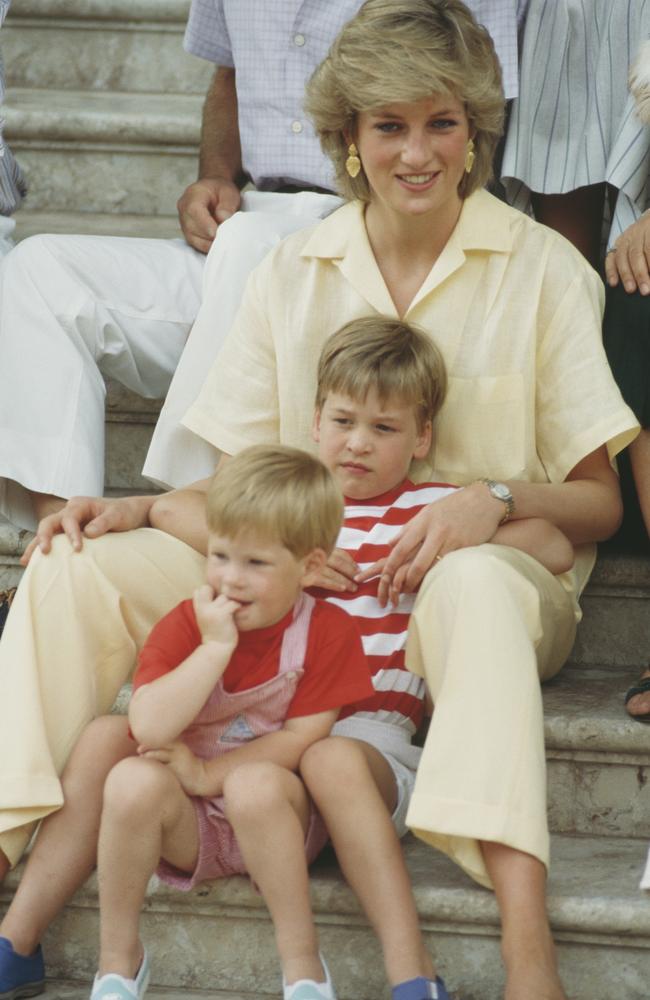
(629, 286)
(644, 289)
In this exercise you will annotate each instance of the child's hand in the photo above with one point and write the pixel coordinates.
(215, 617)
(338, 573)
(189, 769)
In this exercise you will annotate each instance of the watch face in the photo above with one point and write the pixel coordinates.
(501, 491)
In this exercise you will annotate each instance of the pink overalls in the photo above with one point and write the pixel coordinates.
(225, 722)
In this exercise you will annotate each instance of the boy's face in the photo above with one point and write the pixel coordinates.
(368, 446)
(264, 577)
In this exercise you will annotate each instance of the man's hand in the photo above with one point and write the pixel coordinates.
(202, 208)
(89, 517)
(468, 517)
(215, 617)
(189, 769)
(338, 573)
(630, 259)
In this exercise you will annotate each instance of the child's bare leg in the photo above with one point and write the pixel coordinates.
(527, 945)
(65, 849)
(146, 816)
(268, 808)
(354, 790)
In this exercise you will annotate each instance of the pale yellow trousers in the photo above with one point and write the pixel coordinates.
(70, 642)
(487, 621)
(488, 624)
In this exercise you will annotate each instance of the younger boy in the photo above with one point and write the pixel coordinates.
(230, 690)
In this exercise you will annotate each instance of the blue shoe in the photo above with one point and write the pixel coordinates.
(115, 987)
(20, 975)
(421, 989)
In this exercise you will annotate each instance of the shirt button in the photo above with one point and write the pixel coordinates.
(296, 127)
(298, 39)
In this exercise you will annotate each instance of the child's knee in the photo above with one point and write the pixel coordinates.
(136, 787)
(329, 759)
(252, 789)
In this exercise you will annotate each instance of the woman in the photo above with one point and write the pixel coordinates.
(409, 106)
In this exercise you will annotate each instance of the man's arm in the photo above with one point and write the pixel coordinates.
(215, 196)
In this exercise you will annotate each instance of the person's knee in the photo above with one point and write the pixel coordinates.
(476, 567)
(252, 790)
(136, 788)
(331, 762)
(26, 258)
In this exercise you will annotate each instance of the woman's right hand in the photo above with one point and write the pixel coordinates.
(89, 517)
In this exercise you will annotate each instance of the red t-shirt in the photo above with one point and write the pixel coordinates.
(336, 671)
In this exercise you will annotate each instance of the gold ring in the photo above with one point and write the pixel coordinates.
(438, 558)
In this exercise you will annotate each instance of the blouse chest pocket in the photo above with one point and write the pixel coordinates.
(481, 429)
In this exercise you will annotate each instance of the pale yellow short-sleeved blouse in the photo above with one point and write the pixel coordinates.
(514, 308)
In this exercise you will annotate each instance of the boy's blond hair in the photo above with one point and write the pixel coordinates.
(280, 494)
(395, 359)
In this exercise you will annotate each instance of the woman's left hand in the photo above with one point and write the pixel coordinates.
(188, 768)
(468, 517)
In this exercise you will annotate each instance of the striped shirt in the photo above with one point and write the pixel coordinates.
(575, 123)
(368, 529)
(275, 47)
(12, 183)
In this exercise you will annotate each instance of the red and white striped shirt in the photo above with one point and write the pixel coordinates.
(369, 526)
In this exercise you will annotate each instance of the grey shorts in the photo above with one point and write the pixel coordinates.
(394, 744)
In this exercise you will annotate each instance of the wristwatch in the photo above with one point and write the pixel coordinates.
(501, 492)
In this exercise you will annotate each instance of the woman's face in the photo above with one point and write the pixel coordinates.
(414, 154)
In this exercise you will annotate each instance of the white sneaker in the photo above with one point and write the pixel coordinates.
(308, 989)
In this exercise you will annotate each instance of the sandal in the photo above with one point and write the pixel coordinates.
(642, 686)
(6, 597)
(421, 989)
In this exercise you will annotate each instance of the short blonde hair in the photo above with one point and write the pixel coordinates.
(395, 359)
(280, 494)
(404, 51)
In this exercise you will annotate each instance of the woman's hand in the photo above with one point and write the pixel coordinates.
(469, 516)
(215, 617)
(188, 768)
(89, 517)
(338, 574)
(629, 261)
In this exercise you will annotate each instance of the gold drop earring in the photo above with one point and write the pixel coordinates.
(353, 163)
(470, 156)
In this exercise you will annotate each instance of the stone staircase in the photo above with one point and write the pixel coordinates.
(103, 111)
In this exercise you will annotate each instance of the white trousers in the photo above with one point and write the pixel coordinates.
(486, 621)
(76, 308)
(177, 456)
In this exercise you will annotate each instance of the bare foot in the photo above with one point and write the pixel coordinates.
(639, 704)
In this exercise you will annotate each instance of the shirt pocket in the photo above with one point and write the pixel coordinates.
(481, 429)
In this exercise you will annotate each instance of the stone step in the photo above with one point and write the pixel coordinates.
(104, 152)
(29, 223)
(101, 45)
(62, 990)
(219, 934)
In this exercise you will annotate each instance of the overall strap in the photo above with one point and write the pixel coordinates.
(294, 640)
